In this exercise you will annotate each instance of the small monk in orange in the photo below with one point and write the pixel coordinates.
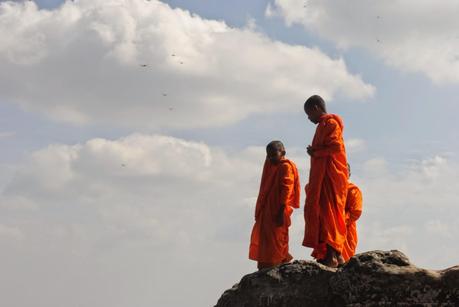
(353, 211)
(324, 211)
(279, 194)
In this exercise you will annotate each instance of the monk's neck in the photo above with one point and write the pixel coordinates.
(323, 116)
(278, 162)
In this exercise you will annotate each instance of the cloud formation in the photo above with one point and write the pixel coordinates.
(143, 64)
(355, 145)
(413, 36)
(411, 209)
(149, 213)
(153, 213)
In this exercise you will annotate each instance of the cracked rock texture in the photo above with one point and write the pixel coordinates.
(375, 278)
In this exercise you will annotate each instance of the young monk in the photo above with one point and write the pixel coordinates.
(279, 194)
(326, 191)
(353, 211)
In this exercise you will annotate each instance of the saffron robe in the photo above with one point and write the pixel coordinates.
(353, 211)
(279, 186)
(327, 189)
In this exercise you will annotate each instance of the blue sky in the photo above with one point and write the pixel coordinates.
(146, 176)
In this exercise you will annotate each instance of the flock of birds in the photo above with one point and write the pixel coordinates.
(181, 63)
(305, 4)
(164, 94)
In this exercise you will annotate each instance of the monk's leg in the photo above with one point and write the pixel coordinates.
(264, 265)
(341, 260)
(286, 260)
(331, 259)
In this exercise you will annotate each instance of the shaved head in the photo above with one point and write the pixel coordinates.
(315, 101)
(275, 151)
(275, 145)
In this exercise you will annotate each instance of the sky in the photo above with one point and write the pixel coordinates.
(132, 137)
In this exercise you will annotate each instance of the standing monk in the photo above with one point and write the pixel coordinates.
(326, 191)
(279, 194)
(353, 211)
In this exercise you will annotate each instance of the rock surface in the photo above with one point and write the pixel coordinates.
(376, 278)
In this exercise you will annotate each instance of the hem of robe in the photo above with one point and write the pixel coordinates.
(310, 245)
(348, 256)
(287, 258)
(320, 250)
(349, 250)
(265, 265)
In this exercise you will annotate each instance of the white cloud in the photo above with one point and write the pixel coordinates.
(354, 145)
(439, 228)
(153, 213)
(378, 236)
(412, 209)
(150, 213)
(82, 63)
(375, 167)
(6, 134)
(415, 36)
(10, 232)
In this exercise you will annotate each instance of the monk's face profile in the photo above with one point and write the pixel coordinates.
(314, 113)
(275, 155)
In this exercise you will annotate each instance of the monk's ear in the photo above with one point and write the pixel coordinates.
(283, 152)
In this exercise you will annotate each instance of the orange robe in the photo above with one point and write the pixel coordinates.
(327, 189)
(353, 211)
(279, 185)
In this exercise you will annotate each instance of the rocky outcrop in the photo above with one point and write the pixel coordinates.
(376, 278)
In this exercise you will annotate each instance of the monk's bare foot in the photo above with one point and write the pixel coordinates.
(331, 259)
(331, 262)
(264, 265)
(341, 261)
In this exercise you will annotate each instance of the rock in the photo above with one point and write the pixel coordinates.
(376, 278)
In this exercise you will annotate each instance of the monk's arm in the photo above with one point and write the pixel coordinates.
(355, 208)
(333, 140)
(260, 193)
(286, 182)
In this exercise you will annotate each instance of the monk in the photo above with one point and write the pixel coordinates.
(279, 194)
(326, 192)
(353, 211)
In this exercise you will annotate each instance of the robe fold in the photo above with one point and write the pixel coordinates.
(279, 186)
(327, 189)
(353, 211)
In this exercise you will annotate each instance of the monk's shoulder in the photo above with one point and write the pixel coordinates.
(287, 166)
(354, 190)
(331, 123)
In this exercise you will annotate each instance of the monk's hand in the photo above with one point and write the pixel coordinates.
(280, 217)
(310, 150)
